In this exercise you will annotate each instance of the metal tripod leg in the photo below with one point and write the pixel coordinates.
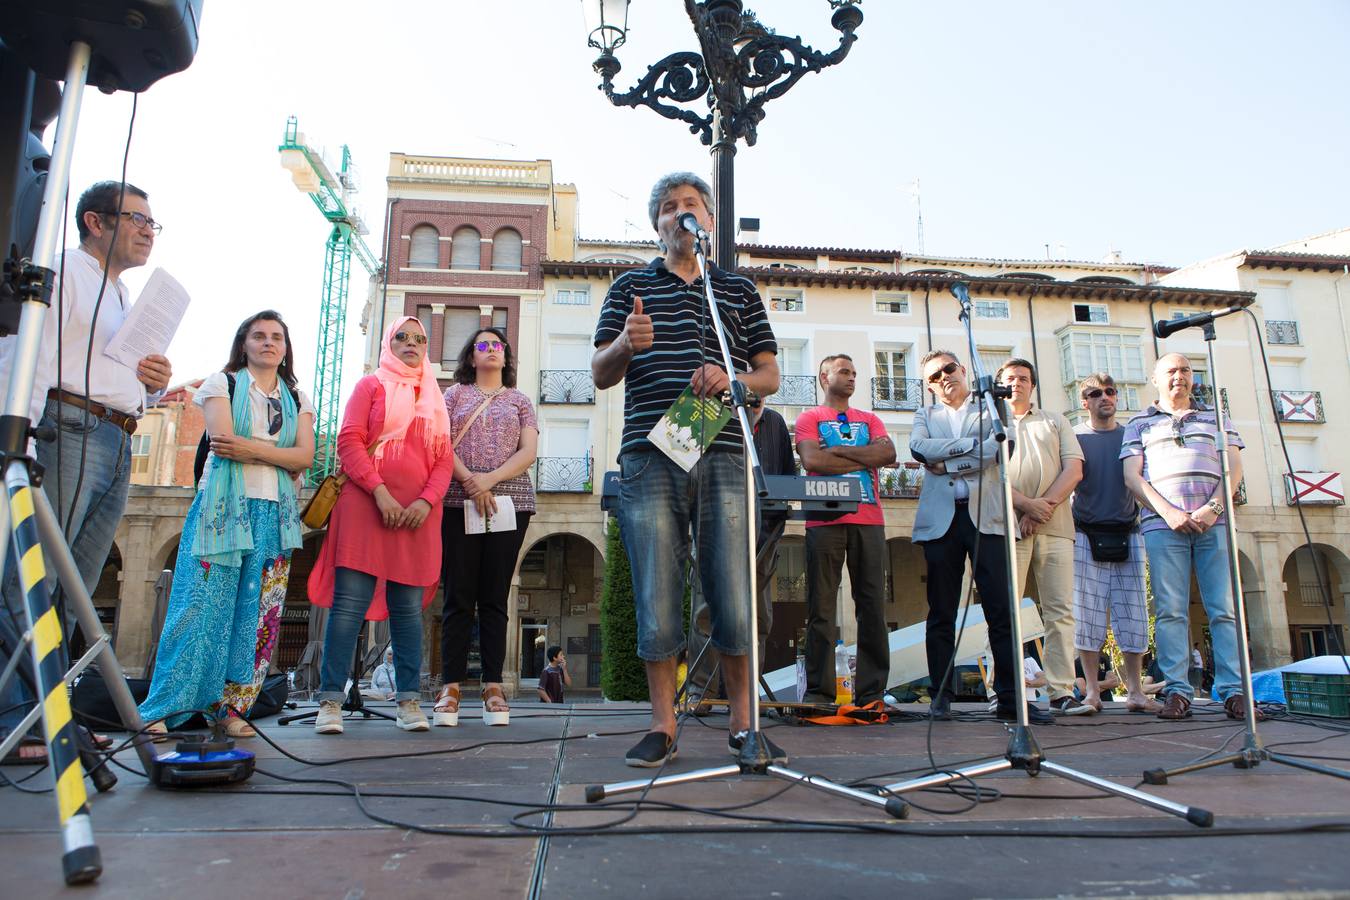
(1023, 753)
(81, 861)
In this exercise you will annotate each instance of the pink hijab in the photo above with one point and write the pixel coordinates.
(404, 407)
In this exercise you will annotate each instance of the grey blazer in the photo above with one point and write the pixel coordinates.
(932, 442)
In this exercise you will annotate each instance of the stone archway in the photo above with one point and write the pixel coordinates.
(555, 600)
(1317, 586)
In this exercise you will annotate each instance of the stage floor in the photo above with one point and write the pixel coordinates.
(1042, 836)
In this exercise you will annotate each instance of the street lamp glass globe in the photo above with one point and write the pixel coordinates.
(606, 23)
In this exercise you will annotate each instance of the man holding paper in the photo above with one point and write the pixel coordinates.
(97, 407)
(652, 334)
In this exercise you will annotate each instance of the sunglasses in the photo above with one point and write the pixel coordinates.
(844, 429)
(410, 337)
(273, 415)
(1177, 434)
(485, 346)
(948, 369)
(1095, 393)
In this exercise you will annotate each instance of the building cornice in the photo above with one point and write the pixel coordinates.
(941, 283)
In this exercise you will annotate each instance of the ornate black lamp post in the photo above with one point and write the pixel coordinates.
(743, 65)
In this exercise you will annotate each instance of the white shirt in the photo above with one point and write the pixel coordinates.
(1197, 661)
(956, 423)
(110, 382)
(260, 479)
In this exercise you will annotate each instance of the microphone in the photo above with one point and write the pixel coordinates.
(1163, 329)
(690, 224)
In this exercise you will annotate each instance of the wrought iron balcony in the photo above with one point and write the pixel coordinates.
(563, 475)
(1205, 394)
(795, 390)
(1240, 495)
(790, 589)
(897, 393)
(1298, 406)
(566, 386)
(901, 482)
(1280, 331)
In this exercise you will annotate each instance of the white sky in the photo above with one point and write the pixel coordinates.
(1171, 132)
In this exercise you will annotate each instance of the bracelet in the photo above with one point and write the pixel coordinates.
(1216, 506)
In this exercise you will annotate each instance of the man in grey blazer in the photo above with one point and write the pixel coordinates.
(961, 457)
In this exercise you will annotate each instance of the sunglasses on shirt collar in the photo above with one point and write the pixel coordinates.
(844, 429)
(273, 415)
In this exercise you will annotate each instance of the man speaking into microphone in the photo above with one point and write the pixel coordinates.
(654, 336)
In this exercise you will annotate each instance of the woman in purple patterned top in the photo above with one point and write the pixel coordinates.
(496, 438)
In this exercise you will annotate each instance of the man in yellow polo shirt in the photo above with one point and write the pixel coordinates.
(1046, 464)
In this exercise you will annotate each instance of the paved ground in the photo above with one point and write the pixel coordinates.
(1031, 837)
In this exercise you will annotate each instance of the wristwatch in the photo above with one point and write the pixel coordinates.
(1216, 506)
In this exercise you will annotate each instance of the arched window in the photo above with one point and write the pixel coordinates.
(425, 251)
(506, 250)
(465, 246)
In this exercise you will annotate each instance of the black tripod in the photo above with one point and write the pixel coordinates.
(355, 702)
(1023, 752)
(1253, 753)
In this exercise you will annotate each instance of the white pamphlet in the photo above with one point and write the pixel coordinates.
(504, 519)
(151, 322)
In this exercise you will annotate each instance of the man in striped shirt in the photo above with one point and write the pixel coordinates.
(654, 334)
(1171, 463)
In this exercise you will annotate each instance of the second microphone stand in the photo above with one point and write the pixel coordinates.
(1022, 751)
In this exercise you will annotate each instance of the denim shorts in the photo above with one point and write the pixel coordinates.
(658, 502)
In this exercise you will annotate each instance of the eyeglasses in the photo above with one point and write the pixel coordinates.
(410, 337)
(273, 415)
(139, 219)
(1097, 392)
(485, 346)
(844, 428)
(948, 369)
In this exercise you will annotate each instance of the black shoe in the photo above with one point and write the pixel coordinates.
(777, 756)
(1006, 712)
(652, 751)
(941, 709)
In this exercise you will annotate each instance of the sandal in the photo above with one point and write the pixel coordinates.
(495, 709)
(158, 731)
(237, 728)
(446, 711)
(16, 756)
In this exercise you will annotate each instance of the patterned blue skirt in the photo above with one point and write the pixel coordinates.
(221, 626)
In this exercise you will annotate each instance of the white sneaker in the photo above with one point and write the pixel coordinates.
(329, 720)
(410, 717)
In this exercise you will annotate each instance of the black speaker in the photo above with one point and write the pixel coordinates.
(135, 42)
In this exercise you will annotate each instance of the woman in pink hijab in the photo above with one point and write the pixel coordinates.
(381, 557)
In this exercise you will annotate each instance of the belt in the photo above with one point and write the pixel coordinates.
(963, 501)
(120, 419)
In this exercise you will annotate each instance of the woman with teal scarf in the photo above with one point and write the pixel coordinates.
(229, 582)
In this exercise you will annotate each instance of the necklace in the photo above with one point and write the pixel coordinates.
(489, 394)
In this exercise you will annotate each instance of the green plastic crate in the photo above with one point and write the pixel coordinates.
(1317, 695)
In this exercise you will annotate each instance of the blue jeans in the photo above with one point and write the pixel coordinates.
(1171, 558)
(97, 509)
(657, 503)
(352, 593)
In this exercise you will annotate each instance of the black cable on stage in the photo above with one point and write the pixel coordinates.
(1323, 580)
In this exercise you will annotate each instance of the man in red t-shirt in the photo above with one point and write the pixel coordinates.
(836, 439)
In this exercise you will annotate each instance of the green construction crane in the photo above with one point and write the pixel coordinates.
(331, 194)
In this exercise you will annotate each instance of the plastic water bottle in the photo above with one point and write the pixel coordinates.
(843, 679)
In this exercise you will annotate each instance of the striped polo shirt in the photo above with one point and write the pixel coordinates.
(1181, 457)
(656, 376)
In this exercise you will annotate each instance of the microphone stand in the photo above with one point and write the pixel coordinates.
(754, 755)
(1022, 751)
(1253, 753)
